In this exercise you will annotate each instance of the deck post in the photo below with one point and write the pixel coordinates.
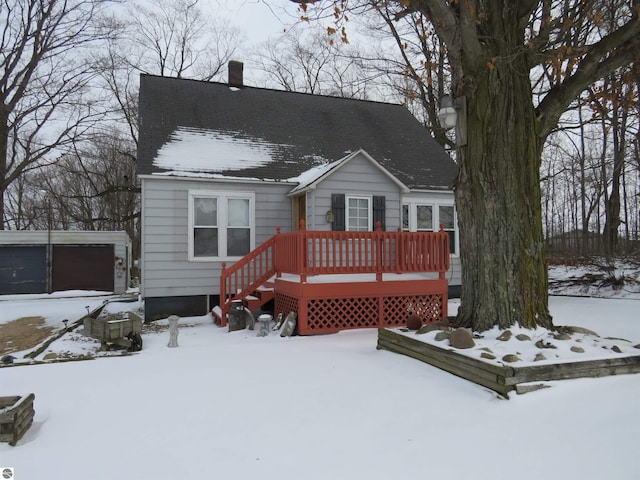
(275, 252)
(444, 252)
(399, 250)
(302, 251)
(379, 242)
(224, 308)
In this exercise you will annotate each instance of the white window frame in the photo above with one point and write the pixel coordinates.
(434, 208)
(222, 197)
(455, 224)
(435, 218)
(369, 199)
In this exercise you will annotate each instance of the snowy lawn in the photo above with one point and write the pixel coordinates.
(238, 406)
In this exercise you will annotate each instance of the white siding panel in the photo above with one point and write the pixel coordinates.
(356, 177)
(166, 270)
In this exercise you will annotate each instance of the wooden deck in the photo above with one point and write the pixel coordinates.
(343, 280)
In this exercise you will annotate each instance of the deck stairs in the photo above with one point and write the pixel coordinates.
(253, 301)
(249, 279)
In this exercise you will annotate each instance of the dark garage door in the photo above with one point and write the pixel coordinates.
(23, 269)
(83, 267)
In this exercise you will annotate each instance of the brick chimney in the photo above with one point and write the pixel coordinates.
(235, 73)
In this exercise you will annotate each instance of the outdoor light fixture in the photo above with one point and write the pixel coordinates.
(453, 113)
(447, 113)
(329, 216)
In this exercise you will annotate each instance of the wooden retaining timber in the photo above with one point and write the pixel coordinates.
(16, 416)
(563, 371)
(502, 379)
(482, 373)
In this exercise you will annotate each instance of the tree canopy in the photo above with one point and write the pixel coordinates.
(515, 69)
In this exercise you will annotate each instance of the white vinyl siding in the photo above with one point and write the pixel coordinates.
(355, 179)
(166, 268)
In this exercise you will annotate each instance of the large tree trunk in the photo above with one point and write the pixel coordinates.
(498, 199)
(4, 136)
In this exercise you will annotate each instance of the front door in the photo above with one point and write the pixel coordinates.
(299, 210)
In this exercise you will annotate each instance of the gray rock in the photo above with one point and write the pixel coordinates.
(637, 346)
(562, 336)
(461, 338)
(523, 337)
(429, 327)
(486, 349)
(442, 335)
(505, 336)
(7, 359)
(488, 356)
(577, 349)
(510, 358)
(539, 357)
(50, 356)
(616, 349)
(542, 344)
(585, 331)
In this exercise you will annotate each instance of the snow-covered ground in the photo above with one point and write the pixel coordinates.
(239, 406)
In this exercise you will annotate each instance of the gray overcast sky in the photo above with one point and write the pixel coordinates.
(258, 19)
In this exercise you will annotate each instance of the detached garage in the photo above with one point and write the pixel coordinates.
(41, 261)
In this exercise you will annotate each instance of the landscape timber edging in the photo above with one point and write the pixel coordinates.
(502, 379)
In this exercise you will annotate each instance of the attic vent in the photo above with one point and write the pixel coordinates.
(235, 73)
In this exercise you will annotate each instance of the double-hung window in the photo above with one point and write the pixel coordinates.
(358, 214)
(220, 224)
(424, 218)
(446, 218)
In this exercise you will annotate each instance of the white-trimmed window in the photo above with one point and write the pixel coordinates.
(358, 214)
(447, 218)
(424, 218)
(221, 224)
(427, 217)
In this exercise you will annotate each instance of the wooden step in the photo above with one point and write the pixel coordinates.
(217, 315)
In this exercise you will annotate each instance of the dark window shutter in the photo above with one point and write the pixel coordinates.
(379, 211)
(337, 205)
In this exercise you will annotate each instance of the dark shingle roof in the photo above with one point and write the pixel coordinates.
(301, 130)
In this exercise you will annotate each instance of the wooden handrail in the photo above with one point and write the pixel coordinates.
(247, 274)
(305, 252)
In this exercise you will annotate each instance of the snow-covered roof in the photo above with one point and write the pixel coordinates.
(200, 150)
(193, 128)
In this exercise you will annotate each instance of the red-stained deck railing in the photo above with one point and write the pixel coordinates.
(305, 252)
(246, 275)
